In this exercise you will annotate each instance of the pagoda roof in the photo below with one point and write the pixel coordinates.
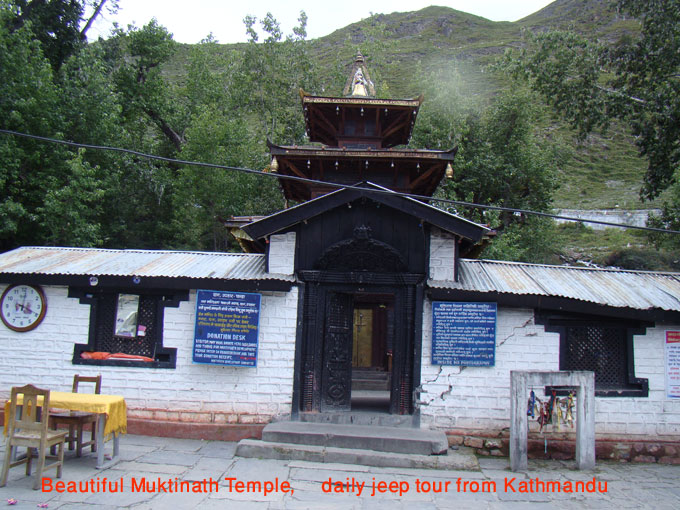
(336, 152)
(308, 98)
(415, 171)
(395, 118)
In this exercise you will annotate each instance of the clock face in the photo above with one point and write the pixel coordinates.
(22, 307)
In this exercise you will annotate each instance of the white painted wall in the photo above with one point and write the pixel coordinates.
(477, 399)
(452, 398)
(190, 392)
(442, 255)
(282, 253)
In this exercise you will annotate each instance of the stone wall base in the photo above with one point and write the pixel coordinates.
(662, 450)
(563, 447)
(188, 430)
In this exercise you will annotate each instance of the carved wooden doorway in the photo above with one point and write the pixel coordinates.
(324, 380)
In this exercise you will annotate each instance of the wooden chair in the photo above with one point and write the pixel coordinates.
(31, 430)
(76, 420)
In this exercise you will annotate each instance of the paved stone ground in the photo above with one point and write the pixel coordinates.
(305, 485)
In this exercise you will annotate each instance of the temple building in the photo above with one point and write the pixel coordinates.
(360, 252)
(359, 302)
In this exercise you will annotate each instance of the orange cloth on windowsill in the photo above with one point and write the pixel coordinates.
(114, 356)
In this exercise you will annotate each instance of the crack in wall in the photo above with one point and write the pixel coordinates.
(528, 322)
(443, 394)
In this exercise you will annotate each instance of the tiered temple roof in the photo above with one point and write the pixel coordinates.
(360, 135)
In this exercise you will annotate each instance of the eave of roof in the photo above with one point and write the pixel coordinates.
(442, 219)
(72, 265)
(335, 152)
(617, 289)
(360, 101)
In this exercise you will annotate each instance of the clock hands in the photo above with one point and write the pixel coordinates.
(25, 308)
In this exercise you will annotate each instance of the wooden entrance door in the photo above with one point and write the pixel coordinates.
(336, 379)
(323, 379)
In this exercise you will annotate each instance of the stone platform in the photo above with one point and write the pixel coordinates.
(357, 444)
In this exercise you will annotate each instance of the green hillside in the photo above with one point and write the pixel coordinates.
(603, 172)
(141, 90)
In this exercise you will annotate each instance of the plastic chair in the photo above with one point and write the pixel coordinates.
(30, 430)
(76, 420)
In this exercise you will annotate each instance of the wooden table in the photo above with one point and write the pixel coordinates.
(112, 422)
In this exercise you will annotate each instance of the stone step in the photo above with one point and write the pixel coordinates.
(376, 438)
(462, 458)
(361, 418)
(370, 374)
(370, 379)
(370, 384)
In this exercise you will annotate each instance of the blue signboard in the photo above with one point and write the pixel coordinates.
(226, 328)
(463, 334)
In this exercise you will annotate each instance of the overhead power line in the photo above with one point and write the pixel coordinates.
(332, 184)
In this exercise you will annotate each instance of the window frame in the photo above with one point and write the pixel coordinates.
(165, 357)
(561, 323)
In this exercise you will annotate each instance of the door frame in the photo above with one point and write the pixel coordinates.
(314, 289)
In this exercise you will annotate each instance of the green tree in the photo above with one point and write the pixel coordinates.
(206, 197)
(445, 109)
(218, 132)
(29, 104)
(72, 211)
(273, 72)
(115, 92)
(148, 100)
(500, 162)
(635, 81)
(50, 193)
(60, 25)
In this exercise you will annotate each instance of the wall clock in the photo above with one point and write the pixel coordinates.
(22, 307)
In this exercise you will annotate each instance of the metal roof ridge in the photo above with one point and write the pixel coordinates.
(579, 268)
(134, 250)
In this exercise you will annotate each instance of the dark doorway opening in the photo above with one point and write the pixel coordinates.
(372, 351)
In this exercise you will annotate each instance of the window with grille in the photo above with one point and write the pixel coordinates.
(141, 341)
(128, 326)
(601, 346)
(602, 350)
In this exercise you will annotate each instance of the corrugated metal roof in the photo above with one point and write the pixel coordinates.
(147, 263)
(641, 290)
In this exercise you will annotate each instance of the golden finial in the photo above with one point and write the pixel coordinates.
(359, 82)
(274, 167)
(449, 171)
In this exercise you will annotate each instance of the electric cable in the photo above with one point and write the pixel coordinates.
(332, 184)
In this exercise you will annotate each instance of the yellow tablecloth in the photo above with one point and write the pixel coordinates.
(113, 406)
